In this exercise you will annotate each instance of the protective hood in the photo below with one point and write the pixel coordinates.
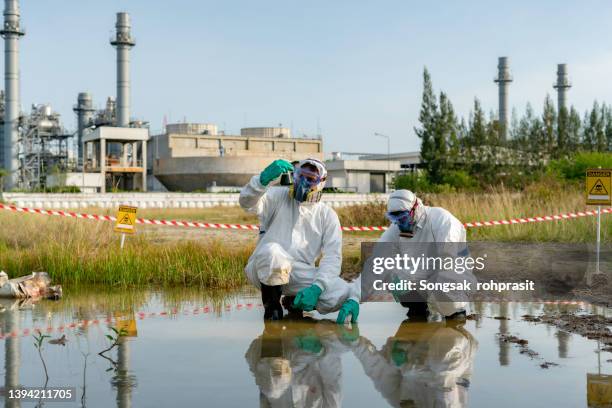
(302, 191)
(405, 200)
(314, 162)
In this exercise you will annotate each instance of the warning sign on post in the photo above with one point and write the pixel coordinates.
(126, 220)
(598, 186)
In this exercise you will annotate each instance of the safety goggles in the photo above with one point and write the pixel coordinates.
(312, 178)
(398, 216)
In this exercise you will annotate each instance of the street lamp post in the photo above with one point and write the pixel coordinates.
(388, 147)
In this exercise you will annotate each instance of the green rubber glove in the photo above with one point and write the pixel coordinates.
(309, 342)
(274, 171)
(349, 335)
(398, 354)
(350, 307)
(307, 299)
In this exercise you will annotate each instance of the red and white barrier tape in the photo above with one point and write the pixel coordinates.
(137, 315)
(195, 224)
(558, 217)
(186, 312)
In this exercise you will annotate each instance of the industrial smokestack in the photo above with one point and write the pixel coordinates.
(503, 80)
(562, 86)
(123, 42)
(11, 33)
(84, 110)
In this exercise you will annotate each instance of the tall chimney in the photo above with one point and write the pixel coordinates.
(562, 85)
(84, 110)
(503, 80)
(123, 42)
(11, 32)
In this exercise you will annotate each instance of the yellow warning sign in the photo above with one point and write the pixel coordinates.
(598, 186)
(126, 220)
(127, 323)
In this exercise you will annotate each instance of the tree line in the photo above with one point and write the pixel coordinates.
(473, 152)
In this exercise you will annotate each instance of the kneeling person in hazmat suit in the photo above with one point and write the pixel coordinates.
(296, 229)
(422, 231)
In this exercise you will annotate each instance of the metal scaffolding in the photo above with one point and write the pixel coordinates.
(43, 148)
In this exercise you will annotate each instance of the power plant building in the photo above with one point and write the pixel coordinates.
(195, 156)
(114, 152)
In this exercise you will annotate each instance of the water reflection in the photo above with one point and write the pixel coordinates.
(299, 364)
(422, 365)
(504, 347)
(123, 380)
(12, 347)
(288, 363)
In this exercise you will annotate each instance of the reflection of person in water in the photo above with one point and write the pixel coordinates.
(299, 364)
(423, 365)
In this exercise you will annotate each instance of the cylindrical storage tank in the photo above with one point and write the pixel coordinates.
(265, 132)
(45, 110)
(192, 128)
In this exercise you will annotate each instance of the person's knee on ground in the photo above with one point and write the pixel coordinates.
(273, 264)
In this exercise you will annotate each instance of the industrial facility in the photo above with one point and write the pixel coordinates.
(195, 156)
(111, 151)
(38, 153)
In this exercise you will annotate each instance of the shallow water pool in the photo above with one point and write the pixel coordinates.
(198, 349)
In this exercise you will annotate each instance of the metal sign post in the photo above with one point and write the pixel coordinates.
(598, 238)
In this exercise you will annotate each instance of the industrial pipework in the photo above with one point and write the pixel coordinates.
(11, 32)
(123, 41)
(503, 80)
(562, 85)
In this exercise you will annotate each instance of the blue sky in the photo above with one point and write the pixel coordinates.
(353, 67)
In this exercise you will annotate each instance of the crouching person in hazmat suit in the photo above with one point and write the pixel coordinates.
(418, 230)
(423, 365)
(296, 229)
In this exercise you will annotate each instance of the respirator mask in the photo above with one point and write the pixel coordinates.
(307, 185)
(404, 220)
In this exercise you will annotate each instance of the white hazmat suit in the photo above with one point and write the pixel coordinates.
(293, 236)
(292, 376)
(432, 225)
(425, 365)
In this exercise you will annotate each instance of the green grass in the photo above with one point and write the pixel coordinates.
(81, 252)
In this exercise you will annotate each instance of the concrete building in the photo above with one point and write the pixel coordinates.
(194, 156)
(119, 155)
(409, 161)
(361, 176)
